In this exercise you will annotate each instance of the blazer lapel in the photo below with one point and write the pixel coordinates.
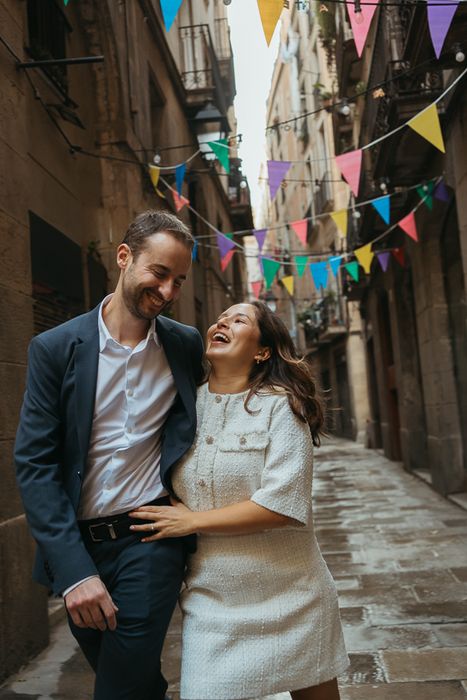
(86, 364)
(176, 356)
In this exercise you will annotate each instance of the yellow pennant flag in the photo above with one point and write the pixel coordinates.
(154, 173)
(427, 125)
(270, 11)
(340, 219)
(364, 256)
(288, 283)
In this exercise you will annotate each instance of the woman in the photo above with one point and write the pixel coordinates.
(260, 606)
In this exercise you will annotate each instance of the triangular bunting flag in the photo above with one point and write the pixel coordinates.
(226, 259)
(260, 264)
(382, 206)
(442, 192)
(301, 229)
(180, 176)
(340, 218)
(383, 259)
(425, 192)
(65, 2)
(335, 263)
(350, 165)
(301, 263)
(288, 283)
(426, 123)
(353, 270)
(270, 11)
(154, 174)
(365, 256)
(260, 235)
(270, 268)
(224, 243)
(399, 255)
(221, 151)
(276, 173)
(360, 22)
(256, 287)
(319, 272)
(194, 252)
(169, 11)
(408, 225)
(439, 21)
(179, 201)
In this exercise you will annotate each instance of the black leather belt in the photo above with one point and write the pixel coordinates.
(114, 527)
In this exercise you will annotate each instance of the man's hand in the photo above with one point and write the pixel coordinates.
(90, 605)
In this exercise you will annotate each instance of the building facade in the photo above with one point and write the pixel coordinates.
(75, 145)
(324, 324)
(414, 314)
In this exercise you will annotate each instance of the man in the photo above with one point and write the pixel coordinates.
(109, 408)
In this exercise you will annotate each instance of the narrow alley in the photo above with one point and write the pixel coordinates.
(397, 551)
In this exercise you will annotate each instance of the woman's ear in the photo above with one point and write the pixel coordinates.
(263, 355)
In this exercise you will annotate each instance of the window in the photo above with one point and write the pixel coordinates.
(48, 30)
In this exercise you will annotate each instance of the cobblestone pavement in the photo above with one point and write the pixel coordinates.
(398, 553)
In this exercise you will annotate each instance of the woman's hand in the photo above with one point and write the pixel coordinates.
(175, 520)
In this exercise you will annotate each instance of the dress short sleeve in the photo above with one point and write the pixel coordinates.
(287, 475)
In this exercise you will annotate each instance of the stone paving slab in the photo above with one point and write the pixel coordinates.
(405, 691)
(425, 664)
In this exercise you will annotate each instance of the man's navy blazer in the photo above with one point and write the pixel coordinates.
(55, 426)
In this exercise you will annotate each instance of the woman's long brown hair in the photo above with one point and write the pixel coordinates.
(285, 369)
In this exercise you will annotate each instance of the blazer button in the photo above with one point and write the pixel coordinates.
(218, 398)
(209, 439)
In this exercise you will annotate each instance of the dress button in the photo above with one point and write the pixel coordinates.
(243, 440)
(218, 398)
(202, 482)
(209, 439)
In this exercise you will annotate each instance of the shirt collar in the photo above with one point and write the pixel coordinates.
(104, 334)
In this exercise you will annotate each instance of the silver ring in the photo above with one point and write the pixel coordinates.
(153, 527)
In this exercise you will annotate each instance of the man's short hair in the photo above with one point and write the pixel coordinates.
(153, 221)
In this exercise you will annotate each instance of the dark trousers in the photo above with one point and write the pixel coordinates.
(144, 581)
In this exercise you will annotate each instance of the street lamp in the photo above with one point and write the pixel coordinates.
(210, 125)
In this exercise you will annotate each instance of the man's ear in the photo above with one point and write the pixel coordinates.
(123, 256)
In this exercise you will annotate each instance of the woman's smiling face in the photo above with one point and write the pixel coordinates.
(235, 338)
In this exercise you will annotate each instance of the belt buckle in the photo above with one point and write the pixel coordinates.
(109, 526)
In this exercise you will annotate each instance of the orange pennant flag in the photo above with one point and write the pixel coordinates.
(426, 123)
(270, 11)
(300, 228)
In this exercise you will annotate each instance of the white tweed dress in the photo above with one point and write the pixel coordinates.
(260, 612)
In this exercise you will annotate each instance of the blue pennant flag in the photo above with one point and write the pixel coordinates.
(319, 272)
(382, 206)
(180, 176)
(335, 263)
(169, 11)
(194, 252)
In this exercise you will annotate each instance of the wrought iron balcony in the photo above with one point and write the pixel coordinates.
(207, 70)
(324, 320)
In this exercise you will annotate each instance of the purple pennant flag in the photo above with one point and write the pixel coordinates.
(383, 259)
(276, 173)
(319, 272)
(260, 235)
(441, 192)
(224, 244)
(439, 21)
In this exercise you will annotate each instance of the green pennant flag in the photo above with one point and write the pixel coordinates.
(270, 269)
(425, 192)
(301, 263)
(221, 151)
(352, 268)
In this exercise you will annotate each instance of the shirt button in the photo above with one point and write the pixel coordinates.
(218, 398)
(130, 392)
(129, 429)
(209, 439)
(243, 440)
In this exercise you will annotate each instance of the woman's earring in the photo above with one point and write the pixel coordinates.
(258, 360)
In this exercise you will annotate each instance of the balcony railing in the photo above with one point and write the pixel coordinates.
(205, 77)
(324, 320)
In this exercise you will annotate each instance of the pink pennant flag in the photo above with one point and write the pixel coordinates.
(439, 21)
(260, 235)
(276, 173)
(350, 165)
(301, 228)
(226, 259)
(256, 287)
(360, 22)
(179, 200)
(408, 225)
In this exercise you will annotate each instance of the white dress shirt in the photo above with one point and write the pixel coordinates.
(134, 393)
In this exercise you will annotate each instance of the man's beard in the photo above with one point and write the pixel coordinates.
(134, 301)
